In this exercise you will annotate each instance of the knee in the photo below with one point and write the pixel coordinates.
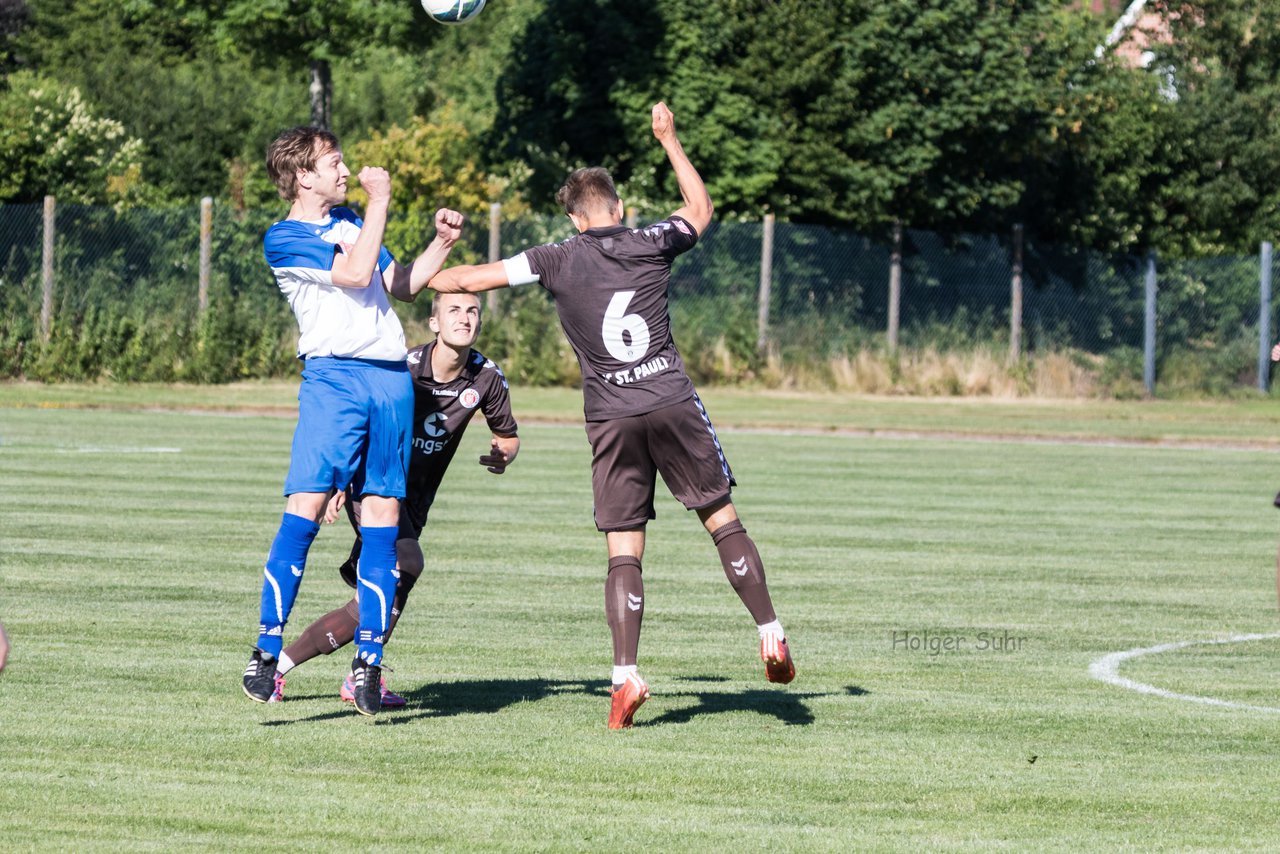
(411, 561)
(726, 530)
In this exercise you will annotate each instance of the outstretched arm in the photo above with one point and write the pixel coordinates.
(697, 208)
(405, 283)
(470, 278)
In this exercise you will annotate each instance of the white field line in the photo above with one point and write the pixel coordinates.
(1106, 669)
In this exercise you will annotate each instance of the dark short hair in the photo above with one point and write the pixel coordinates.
(586, 190)
(297, 148)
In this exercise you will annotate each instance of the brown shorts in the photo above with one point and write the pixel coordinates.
(677, 441)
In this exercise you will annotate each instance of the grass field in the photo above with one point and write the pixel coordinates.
(134, 521)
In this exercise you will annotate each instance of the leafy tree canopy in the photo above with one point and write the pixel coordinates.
(52, 142)
(952, 115)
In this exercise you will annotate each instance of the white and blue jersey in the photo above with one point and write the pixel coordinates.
(351, 323)
(355, 404)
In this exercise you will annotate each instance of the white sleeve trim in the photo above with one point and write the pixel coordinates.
(518, 270)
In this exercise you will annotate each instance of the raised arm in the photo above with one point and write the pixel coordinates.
(697, 208)
(405, 283)
(354, 269)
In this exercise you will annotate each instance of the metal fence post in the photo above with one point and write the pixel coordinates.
(895, 285)
(766, 283)
(1015, 298)
(46, 268)
(495, 252)
(206, 249)
(1149, 328)
(1264, 318)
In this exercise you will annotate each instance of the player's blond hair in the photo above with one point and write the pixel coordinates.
(587, 190)
(297, 148)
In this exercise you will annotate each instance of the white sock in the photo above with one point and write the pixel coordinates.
(621, 672)
(771, 628)
(284, 664)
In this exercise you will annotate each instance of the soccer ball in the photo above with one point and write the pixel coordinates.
(452, 11)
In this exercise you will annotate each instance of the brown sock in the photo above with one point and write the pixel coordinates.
(745, 571)
(337, 628)
(624, 607)
(333, 631)
(408, 578)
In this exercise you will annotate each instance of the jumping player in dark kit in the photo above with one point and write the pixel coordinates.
(451, 382)
(643, 415)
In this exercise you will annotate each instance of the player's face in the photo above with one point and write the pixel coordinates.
(329, 178)
(456, 319)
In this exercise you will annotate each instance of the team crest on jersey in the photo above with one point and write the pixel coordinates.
(469, 398)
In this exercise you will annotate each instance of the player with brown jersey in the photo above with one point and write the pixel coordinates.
(609, 283)
(451, 382)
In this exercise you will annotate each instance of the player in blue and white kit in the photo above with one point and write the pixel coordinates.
(355, 403)
(451, 382)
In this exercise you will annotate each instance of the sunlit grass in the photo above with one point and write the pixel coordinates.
(130, 557)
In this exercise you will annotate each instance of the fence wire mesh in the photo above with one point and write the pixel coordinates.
(125, 304)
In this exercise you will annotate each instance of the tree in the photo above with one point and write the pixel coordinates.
(849, 113)
(1180, 156)
(433, 164)
(204, 109)
(311, 33)
(13, 17)
(1222, 191)
(51, 142)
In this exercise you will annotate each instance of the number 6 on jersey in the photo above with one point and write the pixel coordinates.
(617, 322)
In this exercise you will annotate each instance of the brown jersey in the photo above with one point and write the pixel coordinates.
(441, 413)
(610, 288)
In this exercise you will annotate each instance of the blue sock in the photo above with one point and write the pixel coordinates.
(375, 590)
(282, 577)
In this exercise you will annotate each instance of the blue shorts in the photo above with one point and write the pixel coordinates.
(355, 426)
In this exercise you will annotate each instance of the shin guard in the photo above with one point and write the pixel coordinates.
(744, 569)
(282, 576)
(375, 591)
(624, 607)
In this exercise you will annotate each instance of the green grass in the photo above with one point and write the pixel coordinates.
(131, 541)
(1250, 421)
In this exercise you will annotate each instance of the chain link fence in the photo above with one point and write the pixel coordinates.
(117, 294)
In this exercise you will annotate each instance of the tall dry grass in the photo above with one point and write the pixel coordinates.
(927, 371)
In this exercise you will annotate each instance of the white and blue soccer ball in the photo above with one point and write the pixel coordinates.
(452, 11)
